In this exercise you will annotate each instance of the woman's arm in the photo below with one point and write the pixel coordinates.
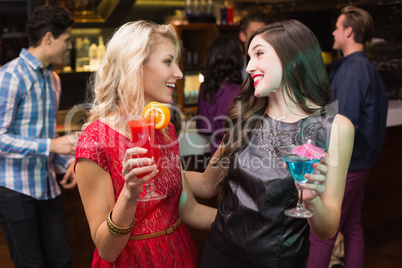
(204, 184)
(194, 214)
(97, 194)
(327, 202)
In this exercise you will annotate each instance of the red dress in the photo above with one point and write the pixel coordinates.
(106, 147)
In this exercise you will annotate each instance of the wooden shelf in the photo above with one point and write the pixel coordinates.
(109, 13)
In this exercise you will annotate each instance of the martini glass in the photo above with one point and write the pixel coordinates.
(300, 159)
(143, 135)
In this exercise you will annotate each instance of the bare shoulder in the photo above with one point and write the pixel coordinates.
(345, 126)
(89, 172)
(85, 162)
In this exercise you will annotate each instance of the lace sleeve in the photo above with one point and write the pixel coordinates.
(89, 146)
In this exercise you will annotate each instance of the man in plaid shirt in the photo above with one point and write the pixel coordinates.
(31, 210)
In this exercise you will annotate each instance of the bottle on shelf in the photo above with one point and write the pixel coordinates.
(93, 56)
(196, 8)
(79, 54)
(65, 67)
(199, 11)
(188, 8)
(209, 8)
(101, 48)
(229, 14)
(223, 10)
(203, 7)
(85, 58)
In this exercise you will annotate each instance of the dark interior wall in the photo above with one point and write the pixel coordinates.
(12, 25)
(151, 12)
(319, 21)
(384, 51)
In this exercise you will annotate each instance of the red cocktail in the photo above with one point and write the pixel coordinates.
(143, 135)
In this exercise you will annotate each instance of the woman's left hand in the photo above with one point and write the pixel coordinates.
(315, 185)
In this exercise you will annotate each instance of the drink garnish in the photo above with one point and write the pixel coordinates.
(156, 113)
(309, 150)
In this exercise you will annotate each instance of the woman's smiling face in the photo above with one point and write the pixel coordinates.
(264, 67)
(161, 73)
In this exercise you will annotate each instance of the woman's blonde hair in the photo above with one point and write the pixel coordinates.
(121, 68)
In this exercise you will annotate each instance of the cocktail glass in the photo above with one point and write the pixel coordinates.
(143, 135)
(300, 160)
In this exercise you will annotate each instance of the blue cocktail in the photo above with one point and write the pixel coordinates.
(299, 166)
(300, 163)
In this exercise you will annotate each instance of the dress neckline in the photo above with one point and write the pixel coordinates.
(282, 122)
(114, 130)
(320, 112)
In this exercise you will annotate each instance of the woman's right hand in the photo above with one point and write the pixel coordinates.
(132, 167)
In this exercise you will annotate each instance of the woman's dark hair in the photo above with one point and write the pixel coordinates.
(304, 78)
(224, 64)
(45, 19)
(252, 17)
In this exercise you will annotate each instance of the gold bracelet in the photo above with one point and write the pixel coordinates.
(116, 230)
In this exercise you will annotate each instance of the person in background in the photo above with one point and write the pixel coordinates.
(140, 65)
(286, 93)
(359, 91)
(222, 80)
(248, 25)
(31, 209)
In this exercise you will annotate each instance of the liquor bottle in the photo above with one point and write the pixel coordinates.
(93, 56)
(85, 56)
(101, 48)
(79, 54)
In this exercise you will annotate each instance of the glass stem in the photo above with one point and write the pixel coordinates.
(150, 187)
(300, 201)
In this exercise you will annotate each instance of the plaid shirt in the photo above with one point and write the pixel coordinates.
(29, 102)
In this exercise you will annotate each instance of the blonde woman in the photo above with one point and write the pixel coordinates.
(140, 64)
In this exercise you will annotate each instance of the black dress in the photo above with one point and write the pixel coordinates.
(250, 227)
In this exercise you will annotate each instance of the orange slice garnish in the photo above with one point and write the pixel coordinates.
(156, 113)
